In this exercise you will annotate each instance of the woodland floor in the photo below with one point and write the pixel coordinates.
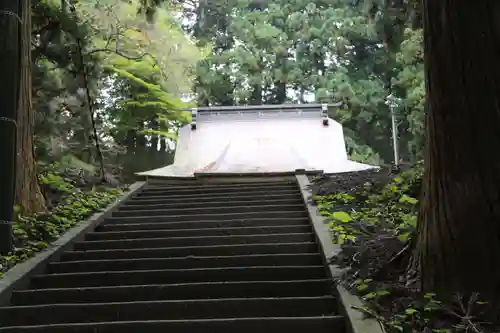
(69, 198)
(373, 215)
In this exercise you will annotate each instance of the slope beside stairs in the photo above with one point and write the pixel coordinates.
(192, 258)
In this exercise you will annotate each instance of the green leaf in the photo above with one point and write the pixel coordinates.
(404, 236)
(371, 295)
(351, 238)
(341, 216)
(411, 311)
(407, 199)
(383, 293)
(362, 287)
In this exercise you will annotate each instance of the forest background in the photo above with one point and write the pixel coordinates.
(120, 71)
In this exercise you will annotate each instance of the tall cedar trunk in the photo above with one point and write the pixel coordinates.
(280, 85)
(459, 241)
(28, 194)
(163, 144)
(155, 125)
(302, 95)
(280, 92)
(9, 91)
(256, 96)
(140, 137)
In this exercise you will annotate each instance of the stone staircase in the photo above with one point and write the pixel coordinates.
(190, 258)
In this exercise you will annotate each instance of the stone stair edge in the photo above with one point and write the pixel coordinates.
(257, 202)
(152, 186)
(182, 284)
(152, 271)
(228, 209)
(176, 291)
(192, 237)
(188, 194)
(204, 223)
(208, 300)
(183, 198)
(292, 226)
(169, 309)
(217, 216)
(193, 258)
(219, 188)
(201, 247)
(224, 325)
(239, 249)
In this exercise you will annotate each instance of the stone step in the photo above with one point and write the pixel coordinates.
(221, 186)
(233, 180)
(207, 217)
(204, 258)
(293, 200)
(181, 291)
(225, 209)
(257, 192)
(167, 310)
(254, 196)
(227, 250)
(192, 241)
(103, 265)
(316, 324)
(193, 225)
(217, 190)
(170, 276)
(205, 232)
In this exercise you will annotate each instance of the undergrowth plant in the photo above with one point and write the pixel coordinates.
(394, 207)
(374, 226)
(32, 234)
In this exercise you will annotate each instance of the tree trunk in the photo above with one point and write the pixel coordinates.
(9, 91)
(155, 138)
(280, 84)
(459, 240)
(163, 145)
(28, 194)
(280, 92)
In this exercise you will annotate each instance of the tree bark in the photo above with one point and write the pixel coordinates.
(155, 138)
(28, 194)
(459, 223)
(9, 92)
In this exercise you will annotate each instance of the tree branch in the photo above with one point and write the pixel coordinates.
(105, 50)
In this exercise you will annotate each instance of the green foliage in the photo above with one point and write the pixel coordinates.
(34, 233)
(302, 51)
(57, 183)
(425, 310)
(230, 53)
(374, 226)
(411, 80)
(392, 210)
(393, 207)
(138, 73)
(149, 101)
